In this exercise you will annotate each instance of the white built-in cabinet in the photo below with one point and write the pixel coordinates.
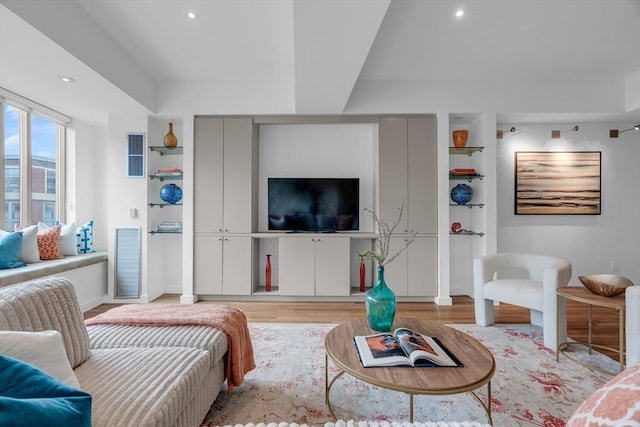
(407, 168)
(222, 265)
(223, 208)
(314, 265)
(407, 171)
(223, 175)
(228, 251)
(415, 271)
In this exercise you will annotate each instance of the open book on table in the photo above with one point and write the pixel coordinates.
(403, 347)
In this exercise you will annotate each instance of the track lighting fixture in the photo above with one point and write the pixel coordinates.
(500, 133)
(613, 133)
(555, 134)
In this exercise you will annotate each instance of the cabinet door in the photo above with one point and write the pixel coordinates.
(238, 175)
(208, 179)
(395, 273)
(423, 267)
(332, 266)
(207, 265)
(236, 265)
(392, 169)
(422, 185)
(297, 266)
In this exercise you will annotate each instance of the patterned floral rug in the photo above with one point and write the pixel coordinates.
(529, 387)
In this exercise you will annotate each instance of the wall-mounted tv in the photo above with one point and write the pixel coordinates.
(314, 204)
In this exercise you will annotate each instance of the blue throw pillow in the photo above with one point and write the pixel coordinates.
(10, 246)
(84, 234)
(31, 397)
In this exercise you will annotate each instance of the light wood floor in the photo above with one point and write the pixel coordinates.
(605, 323)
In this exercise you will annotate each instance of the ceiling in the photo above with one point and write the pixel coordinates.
(324, 57)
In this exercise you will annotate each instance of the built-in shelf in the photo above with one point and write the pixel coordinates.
(161, 205)
(166, 151)
(468, 205)
(468, 233)
(469, 178)
(162, 177)
(164, 232)
(465, 150)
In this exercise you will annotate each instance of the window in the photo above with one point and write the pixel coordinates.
(32, 146)
(11, 179)
(49, 213)
(51, 181)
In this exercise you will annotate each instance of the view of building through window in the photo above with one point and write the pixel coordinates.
(30, 156)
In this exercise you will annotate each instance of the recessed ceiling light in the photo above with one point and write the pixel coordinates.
(192, 15)
(459, 12)
(66, 79)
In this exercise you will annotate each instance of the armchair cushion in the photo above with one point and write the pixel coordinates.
(525, 280)
(520, 292)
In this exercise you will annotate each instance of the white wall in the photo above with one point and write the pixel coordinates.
(317, 151)
(590, 242)
(86, 197)
(124, 193)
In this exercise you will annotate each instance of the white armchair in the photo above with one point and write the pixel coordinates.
(632, 324)
(525, 280)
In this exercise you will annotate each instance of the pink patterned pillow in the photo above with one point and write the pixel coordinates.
(614, 404)
(49, 243)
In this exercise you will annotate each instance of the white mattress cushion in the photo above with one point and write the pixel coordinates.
(198, 337)
(142, 386)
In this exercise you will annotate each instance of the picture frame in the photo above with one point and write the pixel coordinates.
(558, 182)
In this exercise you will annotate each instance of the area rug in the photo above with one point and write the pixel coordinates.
(529, 388)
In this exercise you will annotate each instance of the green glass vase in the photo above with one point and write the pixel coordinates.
(381, 305)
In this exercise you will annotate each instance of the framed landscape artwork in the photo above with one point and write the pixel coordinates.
(557, 183)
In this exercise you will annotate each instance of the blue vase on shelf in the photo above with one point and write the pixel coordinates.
(171, 193)
(462, 194)
(381, 304)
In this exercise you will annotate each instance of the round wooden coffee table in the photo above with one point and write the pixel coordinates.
(479, 364)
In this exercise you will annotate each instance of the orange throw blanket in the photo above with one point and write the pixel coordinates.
(231, 321)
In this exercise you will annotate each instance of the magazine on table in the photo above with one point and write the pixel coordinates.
(403, 347)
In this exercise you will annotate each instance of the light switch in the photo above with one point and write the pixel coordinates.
(133, 212)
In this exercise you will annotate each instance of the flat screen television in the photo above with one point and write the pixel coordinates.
(314, 204)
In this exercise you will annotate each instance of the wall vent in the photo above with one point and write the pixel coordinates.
(128, 251)
(135, 155)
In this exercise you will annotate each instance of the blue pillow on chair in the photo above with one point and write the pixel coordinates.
(10, 246)
(29, 396)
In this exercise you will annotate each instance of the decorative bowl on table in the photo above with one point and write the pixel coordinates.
(607, 285)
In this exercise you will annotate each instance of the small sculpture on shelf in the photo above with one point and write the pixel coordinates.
(171, 194)
(456, 228)
(462, 194)
(170, 140)
(460, 138)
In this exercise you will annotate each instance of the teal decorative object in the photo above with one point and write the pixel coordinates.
(171, 194)
(462, 194)
(381, 305)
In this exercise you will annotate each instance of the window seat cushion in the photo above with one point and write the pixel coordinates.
(46, 268)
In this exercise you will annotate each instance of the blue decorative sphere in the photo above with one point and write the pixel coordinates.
(171, 193)
(462, 194)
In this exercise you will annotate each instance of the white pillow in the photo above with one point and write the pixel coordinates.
(68, 239)
(43, 350)
(29, 252)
